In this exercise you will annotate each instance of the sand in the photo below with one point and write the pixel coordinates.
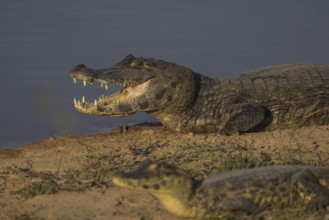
(70, 177)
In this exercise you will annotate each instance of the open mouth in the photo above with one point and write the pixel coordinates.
(128, 93)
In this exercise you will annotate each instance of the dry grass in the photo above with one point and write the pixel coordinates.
(200, 156)
(97, 169)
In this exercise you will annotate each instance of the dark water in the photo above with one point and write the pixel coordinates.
(42, 40)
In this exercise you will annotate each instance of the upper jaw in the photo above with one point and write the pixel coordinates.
(105, 77)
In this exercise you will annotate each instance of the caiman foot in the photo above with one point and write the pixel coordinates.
(319, 204)
(237, 205)
(310, 188)
(246, 118)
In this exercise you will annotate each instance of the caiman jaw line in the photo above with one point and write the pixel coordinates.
(86, 106)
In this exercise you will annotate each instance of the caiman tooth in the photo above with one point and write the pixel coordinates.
(84, 83)
(83, 99)
(91, 83)
(79, 102)
(74, 80)
(75, 101)
(95, 102)
(102, 85)
(106, 87)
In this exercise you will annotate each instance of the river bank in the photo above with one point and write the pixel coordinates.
(69, 177)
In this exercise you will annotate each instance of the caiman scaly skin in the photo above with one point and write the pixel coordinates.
(241, 192)
(274, 97)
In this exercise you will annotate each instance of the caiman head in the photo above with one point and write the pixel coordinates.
(149, 85)
(156, 178)
(171, 185)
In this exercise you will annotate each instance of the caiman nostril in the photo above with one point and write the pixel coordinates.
(80, 66)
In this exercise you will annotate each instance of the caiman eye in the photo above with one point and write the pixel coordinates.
(148, 64)
(155, 64)
(139, 63)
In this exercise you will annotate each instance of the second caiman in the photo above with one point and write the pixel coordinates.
(274, 97)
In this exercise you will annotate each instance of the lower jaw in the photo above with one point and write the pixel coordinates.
(101, 113)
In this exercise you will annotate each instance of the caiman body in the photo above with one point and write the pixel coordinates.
(246, 191)
(274, 97)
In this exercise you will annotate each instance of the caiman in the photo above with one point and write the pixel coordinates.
(245, 192)
(274, 97)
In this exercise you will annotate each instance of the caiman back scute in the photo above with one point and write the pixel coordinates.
(295, 94)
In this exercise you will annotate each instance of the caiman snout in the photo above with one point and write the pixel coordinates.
(83, 73)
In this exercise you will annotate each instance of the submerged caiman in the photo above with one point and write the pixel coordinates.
(274, 97)
(246, 191)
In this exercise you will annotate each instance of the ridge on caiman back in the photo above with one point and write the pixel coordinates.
(274, 97)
